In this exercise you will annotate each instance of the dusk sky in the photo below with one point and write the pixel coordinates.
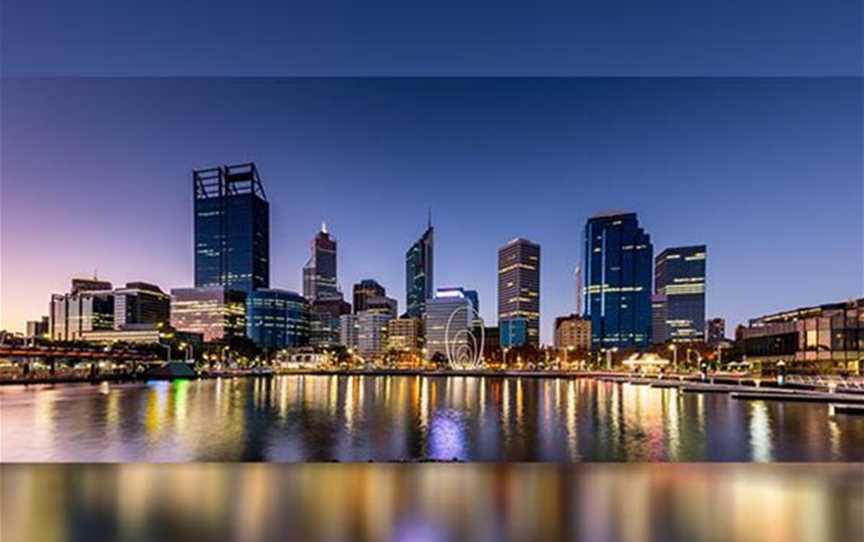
(755, 150)
(766, 172)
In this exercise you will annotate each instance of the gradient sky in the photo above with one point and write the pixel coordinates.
(766, 172)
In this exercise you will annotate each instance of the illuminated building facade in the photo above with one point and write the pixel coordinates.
(348, 331)
(39, 328)
(419, 274)
(822, 338)
(277, 318)
(617, 261)
(449, 305)
(141, 303)
(519, 293)
(405, 334)
(89, 306)
(573, 332)
(232, 228)
(679, 277)
(324, 324)
(215, 312)
(372, 330)
(319, 273)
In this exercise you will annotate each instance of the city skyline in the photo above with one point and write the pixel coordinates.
(467, 234)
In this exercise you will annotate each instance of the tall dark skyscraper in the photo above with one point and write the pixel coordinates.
(419, 275)
(319, 273)
(618, 258)
(365, 290)
(519, 292)
(679, 277)
(232, 228)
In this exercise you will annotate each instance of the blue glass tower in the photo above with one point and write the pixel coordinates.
(232, 228)
(679, 277)
(277, 318)
(618, 258)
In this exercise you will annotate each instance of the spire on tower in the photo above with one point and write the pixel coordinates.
(429, 220)
(323, 226)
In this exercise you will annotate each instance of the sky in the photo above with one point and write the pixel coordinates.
(734, 124)
(431, 38)
(767, 172)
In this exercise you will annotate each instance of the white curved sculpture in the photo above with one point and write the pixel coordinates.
(463, 352)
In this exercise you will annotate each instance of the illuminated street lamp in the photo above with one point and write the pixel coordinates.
(674, 350)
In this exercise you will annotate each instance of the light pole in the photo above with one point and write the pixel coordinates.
(674, 350)
(609, 357)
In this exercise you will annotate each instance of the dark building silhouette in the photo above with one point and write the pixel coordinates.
(365, 290)
(618, 258)
(232, 228)
(277, 318)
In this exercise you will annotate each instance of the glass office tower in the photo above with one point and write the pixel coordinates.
(419, 278)
(618, 258)
(679, 277)
(232, 228)
(277, 318)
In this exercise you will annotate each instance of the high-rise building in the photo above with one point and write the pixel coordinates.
(519, 292)
(141, 303)
(89, 306)
(348, 331)
(679, 275)
(277, 318)
(577, 275)
(232, 228)
(319, 273)
(405, 334)
(372, 333)
(715, 331)
(39, 328)
(365, 289)
(382, 305)
(618, 262)
(215, 312)
(419, 273)
(659, 313)
(452, 307)
(324, 325)
(573, 332)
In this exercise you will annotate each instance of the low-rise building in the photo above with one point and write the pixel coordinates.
(573, 332)
(823, 338)
(215, 312)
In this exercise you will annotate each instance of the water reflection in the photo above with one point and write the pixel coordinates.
(600, 502)
(320, 418)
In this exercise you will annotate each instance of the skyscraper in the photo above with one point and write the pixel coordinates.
(319, 273)
(617, 258)
(519, 292)
(450, 307)
(679, 276)
(364, 290)
(419, 275)
(232, 228)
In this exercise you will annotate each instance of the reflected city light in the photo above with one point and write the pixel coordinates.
(413, 418)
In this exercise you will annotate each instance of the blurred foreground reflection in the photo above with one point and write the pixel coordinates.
(391, 502)
(396, 418)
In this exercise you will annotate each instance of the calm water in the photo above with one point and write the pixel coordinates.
(319, 418)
